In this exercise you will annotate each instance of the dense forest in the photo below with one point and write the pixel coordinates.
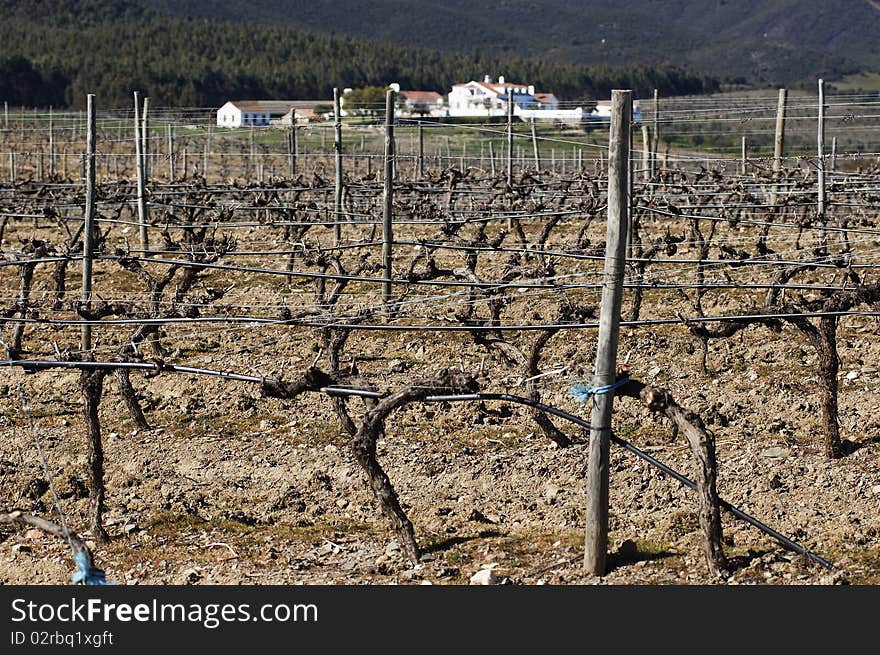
(761, 42)
(57, 51)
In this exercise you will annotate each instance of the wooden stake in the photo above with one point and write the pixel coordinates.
(170, 131)
(89, 218)
(744, 159)
(421, 152)
(646, 154)
(145, 138)
(337, 150)
(139, 168)
(388, 197)
(491, 160)
(778, 143)
(605, 373)
(656, 140)
(834, 153)
(820, 143)
(51, 144)
(509, 137)
(535, 147)
(291, 145)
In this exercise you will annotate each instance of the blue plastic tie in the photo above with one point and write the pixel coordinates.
(583, 392)
(86, 573)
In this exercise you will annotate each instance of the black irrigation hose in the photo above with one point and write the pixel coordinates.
(35, 365)
(690, 484)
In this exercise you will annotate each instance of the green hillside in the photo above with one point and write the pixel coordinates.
(759, 41)
(57, 51)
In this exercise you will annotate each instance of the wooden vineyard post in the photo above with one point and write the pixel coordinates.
(170, 131)
(646, 154)
(89, 218)
(145, 139)
(5, 114)
(778, 143)
(596, 535)
(51, 144)
(421, 152)
(141, 183)
(833, 153)
(509, 137)
(388, 197)
(291, 144)
(820, 144)
(491, 160)
(656, 140)
(12, 166)
(535, 147)
(337, 150)
(744, 157)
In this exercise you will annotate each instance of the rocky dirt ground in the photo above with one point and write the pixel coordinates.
(232, 488)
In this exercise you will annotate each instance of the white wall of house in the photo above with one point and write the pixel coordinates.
(229, 115)
(473, 99)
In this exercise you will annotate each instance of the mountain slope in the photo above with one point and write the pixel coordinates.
(57, 51)
(764, 41)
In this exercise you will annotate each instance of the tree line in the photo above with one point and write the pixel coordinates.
(202, 63)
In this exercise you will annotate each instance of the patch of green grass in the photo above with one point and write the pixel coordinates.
(865, 82)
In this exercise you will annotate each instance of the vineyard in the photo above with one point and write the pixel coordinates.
(351, 353)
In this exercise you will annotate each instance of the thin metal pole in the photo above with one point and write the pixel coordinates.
(89, 218)
(388, 196)
(596, 535)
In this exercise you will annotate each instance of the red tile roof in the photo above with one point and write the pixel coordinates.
(421, 96)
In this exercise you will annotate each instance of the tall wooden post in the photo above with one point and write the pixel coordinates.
(656, 140)
(291, 144)
(535, 147)
(509, 137)
(12, 166)
(51, 144)
(596, 536)
(89, 218)
(779, 143)
(744, 157)
(337, 149)
(145, 139)
(388, 197)
(170, 131)
(421, 152)
(820, 143)
(141, 174)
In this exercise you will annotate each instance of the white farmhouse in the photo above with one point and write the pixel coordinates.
(238, 113)
(490, 99)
